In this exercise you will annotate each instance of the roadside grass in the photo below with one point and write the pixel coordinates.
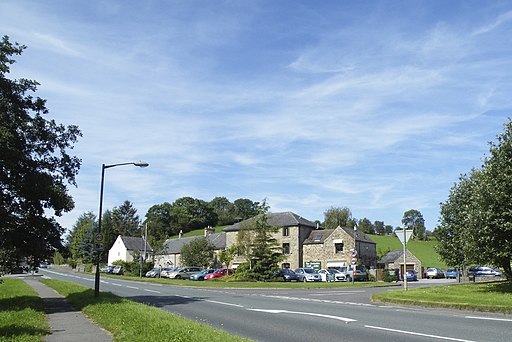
(226, 282)
(22, 316)
(423, 250)
(132, 321)
(491, 297)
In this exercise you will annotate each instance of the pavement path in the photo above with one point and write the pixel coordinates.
(66, 323)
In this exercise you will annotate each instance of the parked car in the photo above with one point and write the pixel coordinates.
(347, 271)
(183, 272)
(497, 273)
(166, 271)
(43, 265)
(221, 272)
(360, 274)
(451, 273)
(117, 270)
(434, 273)
(107, 269)
(332, 275)
(483, 271)
(154, 273)
(202, 274)
(308, 274)
(286, 274)
(411, 275)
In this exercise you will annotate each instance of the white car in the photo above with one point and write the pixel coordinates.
(184, 272)
(332, 275)
(308, 274)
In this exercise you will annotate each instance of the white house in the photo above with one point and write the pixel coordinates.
(126, 247)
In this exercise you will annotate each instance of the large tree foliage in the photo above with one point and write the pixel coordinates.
(413, 219)
(334, 217)
(224, 209)
(35, 167)
(80, 240)
(198, 252)
(190, 213)
(245, 208)
(477, 216)
(126, 222)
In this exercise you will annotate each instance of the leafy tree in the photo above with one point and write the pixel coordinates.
(125, 220)
(380, 229)
(388, 229)
(35, 168)
(245, 208)
(366, 226)
(159, 221)
(227, 255)
(58, 259)
(413, 219)
(265, 253)
(189, 214)
(224, 209)
(198, 252)
(81, 238)
(334, 217)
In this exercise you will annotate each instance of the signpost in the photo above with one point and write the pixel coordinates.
(404, 235)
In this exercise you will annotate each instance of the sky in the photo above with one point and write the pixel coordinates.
(377, 106)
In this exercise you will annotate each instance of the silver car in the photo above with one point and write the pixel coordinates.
(184, 272)
(308, 274)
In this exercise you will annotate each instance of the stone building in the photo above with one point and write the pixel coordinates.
(292, 231)
(331, 248)
(126, 248)
(395, 260)
(170, 253)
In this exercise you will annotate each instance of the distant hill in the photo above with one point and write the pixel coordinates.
(423, 250)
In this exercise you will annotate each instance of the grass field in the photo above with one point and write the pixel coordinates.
(21, 312)
(131, 321)
(423, 250)
(493, 297)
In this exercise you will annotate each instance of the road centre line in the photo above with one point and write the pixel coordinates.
(418, 334)
(223, 303)
(116, 284)
(344, 319)
(132, 287)
(151, 291)
(490, 318)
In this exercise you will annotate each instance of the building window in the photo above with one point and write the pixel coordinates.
(338, 248)
(286, 248)
(286, 232)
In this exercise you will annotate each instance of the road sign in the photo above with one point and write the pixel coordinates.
(99, 246)
(354, 261)
(98, 237)
(354, 253)
(400, 235)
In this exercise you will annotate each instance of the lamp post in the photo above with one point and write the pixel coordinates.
(98, 236)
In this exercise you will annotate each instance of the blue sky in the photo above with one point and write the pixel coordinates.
(377, 106)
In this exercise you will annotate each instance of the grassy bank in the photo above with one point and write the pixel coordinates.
(21, 312)
(492, 297)
(131, 321)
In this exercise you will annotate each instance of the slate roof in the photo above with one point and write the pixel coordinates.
(173, 246)
(283, 219)
(319, 236)
(391, 257)
(135, 243)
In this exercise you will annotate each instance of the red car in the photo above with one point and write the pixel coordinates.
(221, 272)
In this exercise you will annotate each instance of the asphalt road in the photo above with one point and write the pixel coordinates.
(344, 314)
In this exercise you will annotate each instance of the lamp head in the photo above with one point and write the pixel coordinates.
(141, 164)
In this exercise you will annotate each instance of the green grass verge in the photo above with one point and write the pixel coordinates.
(22, 317)
(491, 297)
(131, 321)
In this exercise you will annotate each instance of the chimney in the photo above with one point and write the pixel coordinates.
(180, 234)
(208, 230)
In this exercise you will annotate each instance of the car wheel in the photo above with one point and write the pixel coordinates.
(177, 277)
(304, 280)
(349, 279)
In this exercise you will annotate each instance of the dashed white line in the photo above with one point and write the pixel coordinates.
(490, 318)
(117, 284)
(344, 319)
(132, 287)
(418, 334)
(151, 291)
(223, 303)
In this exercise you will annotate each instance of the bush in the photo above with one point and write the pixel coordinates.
(88, 267)
(387, 277)
(58, 259)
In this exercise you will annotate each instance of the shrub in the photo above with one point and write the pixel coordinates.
(387, 277)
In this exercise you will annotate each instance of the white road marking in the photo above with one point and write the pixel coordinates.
(132, 287)
(117, 284)
(223, 303)
(490, 318)
(151, 291)
(418, 334)
(344, 319)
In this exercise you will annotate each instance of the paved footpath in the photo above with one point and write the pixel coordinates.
(66, 323)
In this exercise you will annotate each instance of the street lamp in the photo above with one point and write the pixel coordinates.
(98, 236)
